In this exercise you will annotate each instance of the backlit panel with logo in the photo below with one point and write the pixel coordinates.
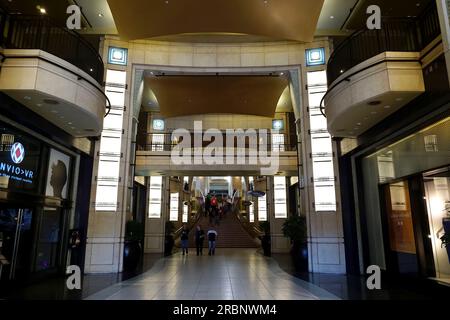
(19, 161)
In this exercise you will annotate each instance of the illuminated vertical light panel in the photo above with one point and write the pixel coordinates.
(278, 144)
(280, 197)
(110, 152)
(185, 213)
(174, 206)
(251, 213)
(155, 198)
(321, 145)
(262, 208)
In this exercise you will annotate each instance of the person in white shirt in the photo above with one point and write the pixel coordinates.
(212, 238)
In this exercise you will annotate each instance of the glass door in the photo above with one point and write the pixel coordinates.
(437, 191)
(15, 242)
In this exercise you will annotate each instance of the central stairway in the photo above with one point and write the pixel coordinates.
(230, 231)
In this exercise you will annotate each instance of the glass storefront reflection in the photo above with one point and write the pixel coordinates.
(437, 189)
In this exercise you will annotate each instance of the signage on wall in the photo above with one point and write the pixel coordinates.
(12, 169)
(58, 175)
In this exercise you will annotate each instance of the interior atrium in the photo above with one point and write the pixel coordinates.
(224, 150)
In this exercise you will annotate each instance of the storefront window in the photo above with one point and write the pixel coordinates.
(437, 189)
(425, 150)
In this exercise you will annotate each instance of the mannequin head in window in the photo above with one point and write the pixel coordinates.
(59, 178)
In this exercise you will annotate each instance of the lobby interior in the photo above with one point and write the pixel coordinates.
(313, 142)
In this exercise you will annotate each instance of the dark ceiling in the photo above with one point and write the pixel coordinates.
(389, 8)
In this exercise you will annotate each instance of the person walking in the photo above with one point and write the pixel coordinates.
(199, 239)
(212, 238)
(185, 239)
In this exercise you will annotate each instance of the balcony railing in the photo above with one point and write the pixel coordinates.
(162, 142)
(39, 32)
(397, 35)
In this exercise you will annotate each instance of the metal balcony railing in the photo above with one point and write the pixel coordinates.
(162, 142)
(397, 35)
(39, 32)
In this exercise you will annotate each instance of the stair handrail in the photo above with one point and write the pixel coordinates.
(191, 223)
(249, 227)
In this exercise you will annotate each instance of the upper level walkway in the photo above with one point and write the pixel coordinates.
(232, 274)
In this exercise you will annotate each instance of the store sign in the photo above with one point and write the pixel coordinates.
(12, 169)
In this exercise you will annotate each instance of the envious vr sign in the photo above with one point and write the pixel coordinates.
(13, 170)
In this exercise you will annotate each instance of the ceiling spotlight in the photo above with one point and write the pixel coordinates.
(332, 17)
(42, 11)
(100, 15)
(282, 74)
(374, 103)
(91, 70)
(387, 107)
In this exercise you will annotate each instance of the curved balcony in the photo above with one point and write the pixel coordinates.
(54, 72)
(39, 32)
(373, 73)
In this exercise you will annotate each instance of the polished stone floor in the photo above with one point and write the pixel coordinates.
(229, 275)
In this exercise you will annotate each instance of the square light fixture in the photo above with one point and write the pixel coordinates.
(118, 56)
(277, 125)
(315, 57)
(158, 125)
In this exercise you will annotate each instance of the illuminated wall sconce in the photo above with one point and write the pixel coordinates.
(158, 125)
(277, 125)
(315, 57)
(118, 56)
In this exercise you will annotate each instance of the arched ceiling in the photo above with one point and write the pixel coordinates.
(192, 95)
(274, 19)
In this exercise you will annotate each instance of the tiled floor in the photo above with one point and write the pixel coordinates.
(230, 275)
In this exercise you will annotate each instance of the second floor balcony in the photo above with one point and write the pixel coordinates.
(53, 71)
(374, 73)
(169, 154)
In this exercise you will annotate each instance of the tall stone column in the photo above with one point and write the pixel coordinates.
(444, 19)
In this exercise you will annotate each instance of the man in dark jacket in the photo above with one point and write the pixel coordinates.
(185, 239)
(199, 239)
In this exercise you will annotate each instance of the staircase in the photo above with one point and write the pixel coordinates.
(231, 234)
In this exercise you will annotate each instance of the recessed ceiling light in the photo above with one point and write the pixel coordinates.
(91, 70)
(387, 107)
(374, 112)
(399, 99)
(41, 10)
(282, 74)
(331, 17)
(342, 71)
(51, 101)
(69, 123)
(100, 15)
(27, 98)
(54, 111)
(39, 104)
